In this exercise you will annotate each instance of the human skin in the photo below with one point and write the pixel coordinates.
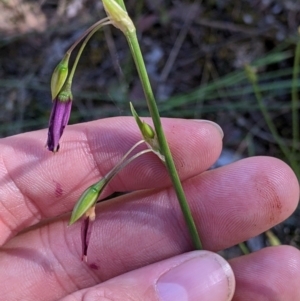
(140, 236)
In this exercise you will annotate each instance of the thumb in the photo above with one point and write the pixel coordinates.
(198, 275)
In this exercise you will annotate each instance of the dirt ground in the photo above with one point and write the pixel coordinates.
(187, 44)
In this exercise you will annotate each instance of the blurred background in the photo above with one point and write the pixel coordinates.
(231, 61)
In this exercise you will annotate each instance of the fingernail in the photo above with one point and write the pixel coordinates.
(212, 123)
(207, 277)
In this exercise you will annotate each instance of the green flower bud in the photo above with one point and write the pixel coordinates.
(148, 134)
(87, 200)
(118, 16)
(147, 131)
(59, 75)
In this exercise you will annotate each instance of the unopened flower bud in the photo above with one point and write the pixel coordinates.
(59, 76)
(148, 134)
(147, 131)
(87, 200)
(59, 118)
(118, 16)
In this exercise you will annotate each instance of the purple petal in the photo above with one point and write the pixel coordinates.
(59, 118)
(86, 231)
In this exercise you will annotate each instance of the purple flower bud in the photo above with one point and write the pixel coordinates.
(86, 232)
(59, 118)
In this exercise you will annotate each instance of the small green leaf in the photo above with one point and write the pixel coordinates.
(136, 117)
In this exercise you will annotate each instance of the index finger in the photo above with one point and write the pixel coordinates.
(37, 184)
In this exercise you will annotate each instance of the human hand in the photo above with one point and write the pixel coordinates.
(134, 251)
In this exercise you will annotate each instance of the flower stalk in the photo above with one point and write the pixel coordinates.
(86, 204)
(119, 16)
(90, 196)
(61, 83)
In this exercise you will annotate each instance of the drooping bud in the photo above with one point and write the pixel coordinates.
(87, 200)
(59, 118)
(59, 75)
(118, 16)
(148, 134)
(86, 206)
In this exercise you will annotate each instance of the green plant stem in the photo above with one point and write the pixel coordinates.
(244, 248)
(92, 30)
(285, 150)
(85, 33)
(272, 238)
(121, 165)
(139, 61)
(295, 99)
